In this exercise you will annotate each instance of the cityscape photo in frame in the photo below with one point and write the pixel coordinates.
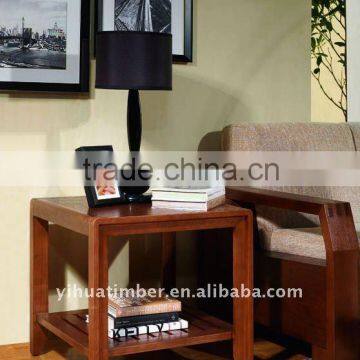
(44, 45)
(165, 16)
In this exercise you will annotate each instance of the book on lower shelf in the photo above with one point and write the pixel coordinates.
(189, 198)
(144, 320)
(120, 333)
(130, 314)
(128, 304)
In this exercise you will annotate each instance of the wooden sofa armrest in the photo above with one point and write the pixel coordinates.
(282, 200)
(342, 261)
(333, 214)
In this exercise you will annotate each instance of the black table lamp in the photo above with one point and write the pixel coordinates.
(131, 60)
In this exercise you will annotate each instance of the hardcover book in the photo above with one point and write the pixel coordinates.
(145, 320)
(126, 306)
(118, 333)
(195, 206)
(143, 330)
(187, 194)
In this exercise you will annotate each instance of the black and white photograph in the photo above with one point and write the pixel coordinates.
(44, 45)
(165, 16)
(143, 15)
(33, 34)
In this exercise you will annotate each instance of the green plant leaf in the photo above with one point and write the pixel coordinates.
(340, 43)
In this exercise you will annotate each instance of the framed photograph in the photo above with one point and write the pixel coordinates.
(44, 45)
(105, 190)
(170, 16)
(100, 176)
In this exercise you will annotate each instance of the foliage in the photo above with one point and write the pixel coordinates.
(328, 47)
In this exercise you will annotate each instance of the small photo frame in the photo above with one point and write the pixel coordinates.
(101, 184)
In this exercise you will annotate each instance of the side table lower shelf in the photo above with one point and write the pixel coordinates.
(72, 328)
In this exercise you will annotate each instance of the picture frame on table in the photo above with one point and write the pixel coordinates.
(100, 184)
(172, 16)
(44, 45)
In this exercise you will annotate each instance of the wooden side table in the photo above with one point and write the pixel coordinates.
(100, 224)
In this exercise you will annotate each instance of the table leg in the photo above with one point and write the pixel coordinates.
(168, 261)
(39, 283)
(98, 305)
(243, 341)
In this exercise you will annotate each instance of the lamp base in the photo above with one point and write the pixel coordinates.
(135, 186)
(134, 121)
(138, 199)
(134, 183)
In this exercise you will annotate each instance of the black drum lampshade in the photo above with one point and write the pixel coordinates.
(129, 60)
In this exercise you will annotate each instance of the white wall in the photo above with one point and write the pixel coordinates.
(353, 48)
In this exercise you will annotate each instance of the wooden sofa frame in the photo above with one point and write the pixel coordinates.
(327, 316)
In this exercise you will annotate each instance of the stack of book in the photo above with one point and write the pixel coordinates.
(190, 198)
(133, 316)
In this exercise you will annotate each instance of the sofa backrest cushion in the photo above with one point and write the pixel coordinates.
(355, 129)
(288, 137)
(298, 137)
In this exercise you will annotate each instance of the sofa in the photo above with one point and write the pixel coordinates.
(306, 237)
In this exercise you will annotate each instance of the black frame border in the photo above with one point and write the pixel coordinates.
(84, 85)
(90, 192)
(188, 34)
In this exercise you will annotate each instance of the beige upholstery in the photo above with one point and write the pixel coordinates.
(307, 242)
(288, 137)
(282, 230)
(355, 129)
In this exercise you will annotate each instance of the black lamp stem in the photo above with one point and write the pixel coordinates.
(134, 122)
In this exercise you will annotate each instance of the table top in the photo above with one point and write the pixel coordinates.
(79, 206)
(75, 210)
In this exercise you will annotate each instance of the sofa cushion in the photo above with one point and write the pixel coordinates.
(355, 129)
(307, 242)
(288, 137)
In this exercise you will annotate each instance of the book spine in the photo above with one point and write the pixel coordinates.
(112, 310)
(199, 198)
(145, 320)
(168, 307)
(143, 330)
